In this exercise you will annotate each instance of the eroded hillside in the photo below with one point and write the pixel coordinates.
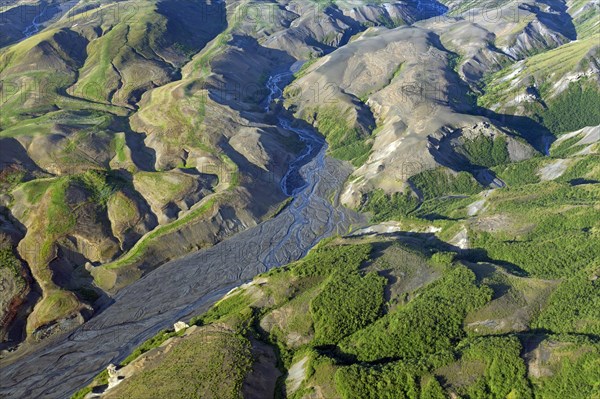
(131, 137)
(133, 133)
(373, 317)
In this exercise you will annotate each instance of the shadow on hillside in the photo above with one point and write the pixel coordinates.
(559, 20)
(536, 135)
(428, 243)
(191, 25)
(247, 94)
(19, 22)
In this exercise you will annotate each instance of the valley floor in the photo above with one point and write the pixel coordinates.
(175, 291)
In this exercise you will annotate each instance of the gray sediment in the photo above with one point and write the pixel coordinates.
(186, 287)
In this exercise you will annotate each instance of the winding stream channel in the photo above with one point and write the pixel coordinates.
(35, 24)
(186, 287)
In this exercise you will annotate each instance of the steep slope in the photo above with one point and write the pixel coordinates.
(320, 27)
(561, 86)
(488, 35)
(135, 132)
(370, 317)
(513, 307)
(24, 18)
(520, 29)
(543, 223)
(585, 17)
(381, 84)
(57, 115)
(142, 137)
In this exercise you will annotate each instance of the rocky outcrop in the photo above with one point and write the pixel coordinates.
(60, 325)
(14, 281)
(548, 74)
(589, 140)
(113, 376)
(180, 326)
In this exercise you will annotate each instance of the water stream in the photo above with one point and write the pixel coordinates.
(35, 25)
(186, 287)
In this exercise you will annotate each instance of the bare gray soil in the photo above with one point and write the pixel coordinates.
(186, 287)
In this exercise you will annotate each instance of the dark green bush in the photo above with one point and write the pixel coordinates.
(441, 182)
(574, 109)
(426, 329)
(390, 207)
(348, 303)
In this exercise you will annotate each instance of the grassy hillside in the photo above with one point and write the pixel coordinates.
(585, 17)
(134, 132)
(372, 318)
(73, 113)
(558, 88)
(544, 222)
(139, 91)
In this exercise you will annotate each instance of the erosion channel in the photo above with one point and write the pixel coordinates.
(185, 287)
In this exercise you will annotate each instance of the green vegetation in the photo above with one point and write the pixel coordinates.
(325, 260)
(10, 178)
(424, 330)
(99, 380)
(182, 373)
(123, 209)
(9, 261)
(441, 190)
(84, 93)
(140, 248)
(567, 147)
(231, 305)
(394, 381)
(576, 374)
(358, 300)
(585, 168)
(101, 185)
(520, 173)
(548, 229)
(386, 207)
(61, 219)
(164, 187)
(570, 110)
(305, 67)
(432, 389)
(516, 303)
(562, 238)
(455, 61)
(150, 344)
(585, 18)
(573, 307)
(346, 142)
(573, 109)
(406, 315)
(485, 151)
(447, 207)
(119, 147)
(35, 189)
(442, 182)
(504, 373)
(334, 310)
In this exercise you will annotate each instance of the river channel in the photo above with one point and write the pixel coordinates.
(186, 287)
